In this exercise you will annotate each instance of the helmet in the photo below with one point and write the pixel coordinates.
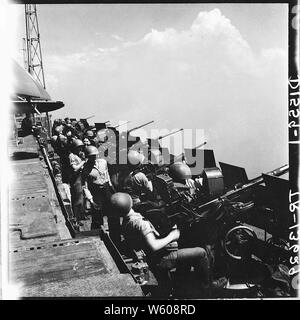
(90, 134)
(77, 143)
(180, 171)
(58, 129)
(134, 157)
(121, 202)
(91, 151)
(101, 136)
(63, 139)
(67, 120)
(53, 139)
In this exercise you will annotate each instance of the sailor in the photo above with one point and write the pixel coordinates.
(163, 252)
(181, 174)
(70, 140)
(86, 141)
(79, 126)
(101, 137)
(77, 162)
(67, 121)
(56, 123)
(57, 128)
(156, 158)
(69, 130)
(63, 150)
(98, 189)
(157, 162)
(53, 141)
(27, 124)
(90, 135)
(136, 183)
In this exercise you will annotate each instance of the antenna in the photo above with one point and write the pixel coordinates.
(33, 45)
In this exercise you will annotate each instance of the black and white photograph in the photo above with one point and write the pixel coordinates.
(150, 152)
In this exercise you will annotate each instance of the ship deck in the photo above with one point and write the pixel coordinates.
(44, 260)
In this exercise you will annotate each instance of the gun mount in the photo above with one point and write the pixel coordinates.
(183, 207)
(233, 194)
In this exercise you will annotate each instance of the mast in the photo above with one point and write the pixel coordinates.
(34, 51)
(33, 45)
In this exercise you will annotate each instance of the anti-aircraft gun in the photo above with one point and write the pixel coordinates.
(222, 224)
(158, 173)
(153, 144)
(83, 124)
(247, 249)
(131, 140)
(114, 144)
(119, 125)
(124, 143)
(118, 144)
(112, 133)
(187, 211)
(147, 167)
(139, 146)
(154, 161)
(158, 164)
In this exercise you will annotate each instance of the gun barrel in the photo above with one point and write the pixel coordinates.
(200, 145)
(277, 172)
(89, 117)
(168, 134)
(122, 124)
(143, 125)
(161, 137)
(107, 121)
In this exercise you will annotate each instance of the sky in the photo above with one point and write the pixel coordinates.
(219, 68)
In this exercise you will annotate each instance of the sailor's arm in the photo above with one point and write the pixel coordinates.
(150, 186)
(86, 192)
(147, 184)
(76, 168)
(156, 244)
(88, 196)
(108, 178)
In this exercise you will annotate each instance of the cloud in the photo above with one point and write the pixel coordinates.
(211, 35)
(205, 77)
(66, 63)
(116, 37)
